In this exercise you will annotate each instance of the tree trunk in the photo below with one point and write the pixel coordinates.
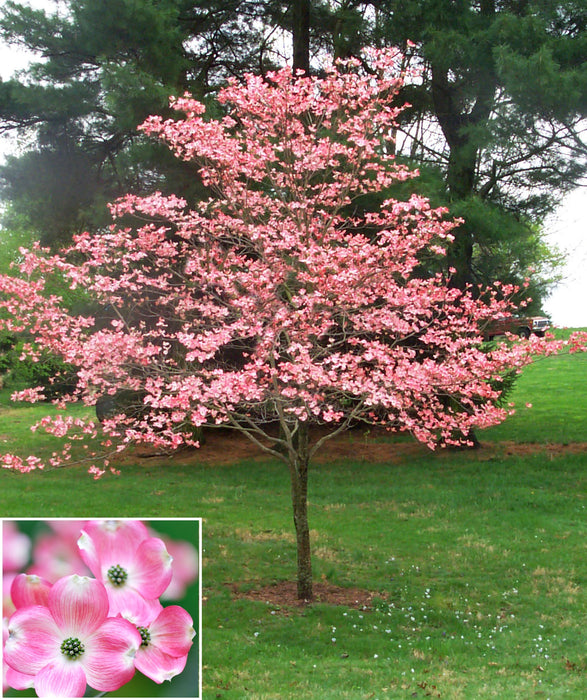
(298, 467)
(460, 126)
(301, 35)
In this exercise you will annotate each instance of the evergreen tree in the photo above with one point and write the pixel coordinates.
(102, 67)
(498, 108)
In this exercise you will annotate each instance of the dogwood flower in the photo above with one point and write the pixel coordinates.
(166, 641)
(71, 642)
(134, 567)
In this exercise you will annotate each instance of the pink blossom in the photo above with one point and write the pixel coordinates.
(185, 568)
(56, 554)
(16, 547)
(324, 309)
(166, 641)
(71, 642)
(32, 395)
(134, 567)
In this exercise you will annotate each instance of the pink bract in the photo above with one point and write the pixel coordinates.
(27, 589)
(71, 642)
(286, 297)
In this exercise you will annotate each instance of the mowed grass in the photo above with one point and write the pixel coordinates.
(478, 560)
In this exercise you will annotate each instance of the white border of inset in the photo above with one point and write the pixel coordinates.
(147, 521)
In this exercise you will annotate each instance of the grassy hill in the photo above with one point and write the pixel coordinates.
(470, 568)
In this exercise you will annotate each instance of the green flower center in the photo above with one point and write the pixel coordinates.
(145, 636)
(117, 575)
(72, 648)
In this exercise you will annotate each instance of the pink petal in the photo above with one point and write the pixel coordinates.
(132, 606)
(29, 590)
(104, 543)
(173, 631)
(61, 679)
(110, 654)
(34, 640)
(89, 553)
(19, 681)
(158, 666)
(151, 571)
(79, 604)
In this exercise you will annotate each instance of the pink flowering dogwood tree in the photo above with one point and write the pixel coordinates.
(276, 302)
(61, 636)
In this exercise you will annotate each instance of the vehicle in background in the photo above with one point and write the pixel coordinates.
(522, 326)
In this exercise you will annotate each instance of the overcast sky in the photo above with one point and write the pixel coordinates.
(567, 306)
(568, 229)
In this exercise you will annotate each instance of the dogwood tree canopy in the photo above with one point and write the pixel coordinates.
(273, 303)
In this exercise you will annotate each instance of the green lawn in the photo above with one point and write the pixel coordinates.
(478, 559)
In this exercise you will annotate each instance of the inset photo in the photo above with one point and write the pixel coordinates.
(101, 607)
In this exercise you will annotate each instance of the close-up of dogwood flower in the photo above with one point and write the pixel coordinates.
(101, 624)
(165, 643)
(134, 567)
(71, 642)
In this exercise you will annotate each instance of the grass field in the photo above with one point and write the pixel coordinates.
(477, 561)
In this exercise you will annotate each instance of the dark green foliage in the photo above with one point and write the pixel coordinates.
(498, 111)
(107, 66)
(55, 190)
(505, 246)
(50, 372)
(7, 343)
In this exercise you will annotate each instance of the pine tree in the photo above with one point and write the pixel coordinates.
(498, 109)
